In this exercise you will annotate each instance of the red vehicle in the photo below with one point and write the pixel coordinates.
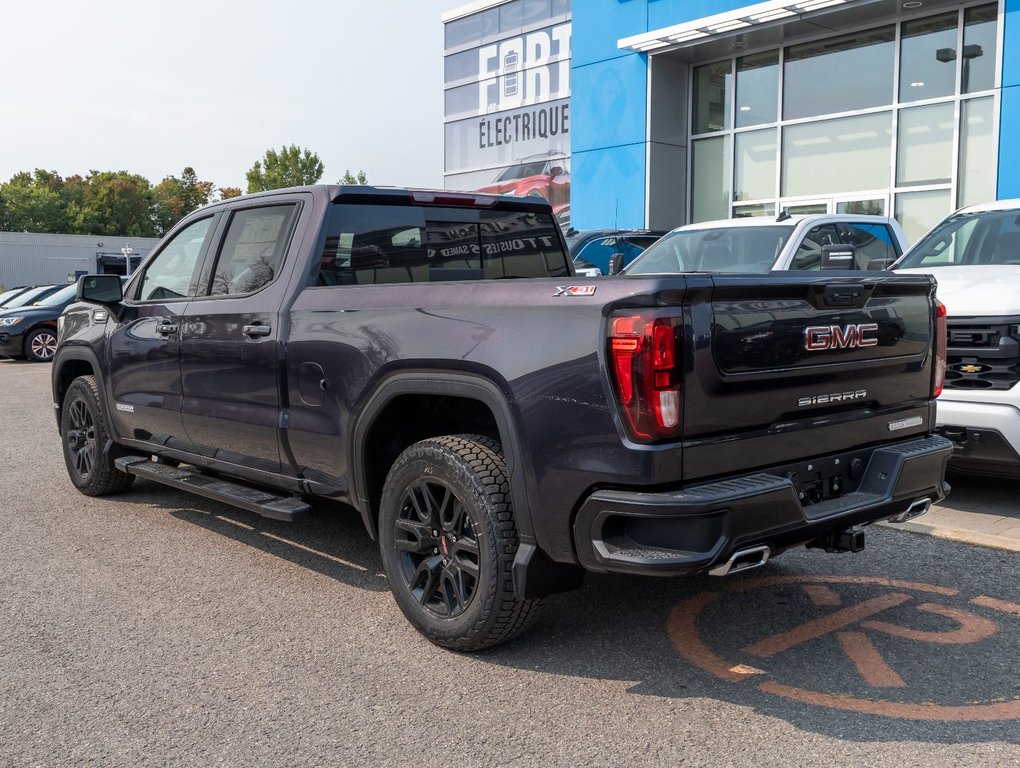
(537, 176)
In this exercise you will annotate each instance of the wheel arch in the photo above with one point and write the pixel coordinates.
(68, 364)
(380, 434)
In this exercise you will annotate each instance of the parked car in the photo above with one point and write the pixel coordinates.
(760, 244)
(13, 293)
(30, 331)
(30, 295)
(974, 255)
(593, 249)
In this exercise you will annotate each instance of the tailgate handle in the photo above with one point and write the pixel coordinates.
(843, 295)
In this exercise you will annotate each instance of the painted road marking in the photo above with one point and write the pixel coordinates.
(853, 629)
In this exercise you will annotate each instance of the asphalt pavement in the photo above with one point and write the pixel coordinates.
(157, 628)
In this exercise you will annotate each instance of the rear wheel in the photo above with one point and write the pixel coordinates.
(448, 539)
(40, 345)
(83, 428)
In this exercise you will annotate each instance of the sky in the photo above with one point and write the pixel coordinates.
(151, 87)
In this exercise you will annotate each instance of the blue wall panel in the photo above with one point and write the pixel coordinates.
(598, 24)
(608, 187)
(609, 103)
(1009, 116)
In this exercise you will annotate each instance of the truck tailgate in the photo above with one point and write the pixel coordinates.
(796, 366)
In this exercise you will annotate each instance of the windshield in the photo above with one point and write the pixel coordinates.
(29, 296)
(8, 295)
(990, 237)
(726, 249)
(61, 296)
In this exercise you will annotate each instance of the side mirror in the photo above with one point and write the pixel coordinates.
(100, 289)
(616, 264)
(838, 256)
(556, 171)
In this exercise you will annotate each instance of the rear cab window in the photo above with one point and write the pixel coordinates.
(379, 244)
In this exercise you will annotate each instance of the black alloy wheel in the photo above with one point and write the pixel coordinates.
(448, 539)
(85, 436)
(437, 546)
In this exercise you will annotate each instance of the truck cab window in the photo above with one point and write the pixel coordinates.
(252, 250)
(170, 275)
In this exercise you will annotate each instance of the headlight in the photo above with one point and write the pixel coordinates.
(8, 321)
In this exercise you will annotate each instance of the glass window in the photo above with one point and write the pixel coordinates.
(757, 89)
(874, 207)
(253, 249)
(710, 189)
(535, 12)
(472, 29)
(839, 74)
(924, 152)
(976, 174)
(917, 212)
(170, 275)
(374, 244)
(713, 84)
(511, 16)
(991, 237)
(979, 48)
(755, 165)
(836, 156)
(871, 242)
(560, 7)
(761, 209)
(723, 249)
(461, 66)
(519, 244)
(453, 250)
(809, 252)
(928, 58)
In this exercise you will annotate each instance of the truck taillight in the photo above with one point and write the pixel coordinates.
(941, 342)
(643, 362)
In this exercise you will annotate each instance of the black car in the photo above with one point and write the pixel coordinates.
(30, 329)
(592, 249)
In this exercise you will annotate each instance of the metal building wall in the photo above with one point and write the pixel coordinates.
(28, 259)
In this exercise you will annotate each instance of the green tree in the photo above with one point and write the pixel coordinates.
(114, 203)
(290, 167)
(349, 178)
(173, 198)
(33, 202)
(228, 192)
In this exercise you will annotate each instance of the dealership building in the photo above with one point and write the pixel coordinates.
(635, 113)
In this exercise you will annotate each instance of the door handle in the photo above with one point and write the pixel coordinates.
(257, 330)
(166, 329)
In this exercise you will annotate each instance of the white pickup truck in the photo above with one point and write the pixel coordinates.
(974, 255)
(762, 244)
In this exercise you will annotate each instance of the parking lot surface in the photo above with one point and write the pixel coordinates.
(156, 628)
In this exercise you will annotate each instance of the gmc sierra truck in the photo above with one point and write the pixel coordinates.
(500, 436)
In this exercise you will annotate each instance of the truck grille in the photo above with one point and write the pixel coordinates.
(983, 354)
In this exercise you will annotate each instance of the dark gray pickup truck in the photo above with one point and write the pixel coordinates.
(501, 425)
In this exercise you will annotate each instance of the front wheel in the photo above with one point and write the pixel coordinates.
(448, 539)
(40, 345)
(84, 433)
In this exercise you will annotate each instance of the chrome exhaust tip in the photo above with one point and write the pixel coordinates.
(743, 560)
(917, 508)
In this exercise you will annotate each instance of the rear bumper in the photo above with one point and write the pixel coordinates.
(696, 528)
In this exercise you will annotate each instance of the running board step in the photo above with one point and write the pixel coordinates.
(254, 500)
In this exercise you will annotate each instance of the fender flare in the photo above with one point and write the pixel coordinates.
(464, 385)
(85, 354)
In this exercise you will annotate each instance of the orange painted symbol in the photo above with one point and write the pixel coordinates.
(856, 622)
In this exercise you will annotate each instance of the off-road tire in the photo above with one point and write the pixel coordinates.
(84, 435)
(429, 560)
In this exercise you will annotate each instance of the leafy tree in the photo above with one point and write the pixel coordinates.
(348, 178)
(228, 192)
(173, 198)
(114, 203)
(33, 202)
(291, 167)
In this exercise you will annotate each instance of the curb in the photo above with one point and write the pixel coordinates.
(964, 536)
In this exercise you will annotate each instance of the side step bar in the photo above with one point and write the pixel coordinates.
(253, 499)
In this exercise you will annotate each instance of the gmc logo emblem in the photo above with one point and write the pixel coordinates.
(819, 337)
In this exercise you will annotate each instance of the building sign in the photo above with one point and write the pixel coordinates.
(508, 116)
